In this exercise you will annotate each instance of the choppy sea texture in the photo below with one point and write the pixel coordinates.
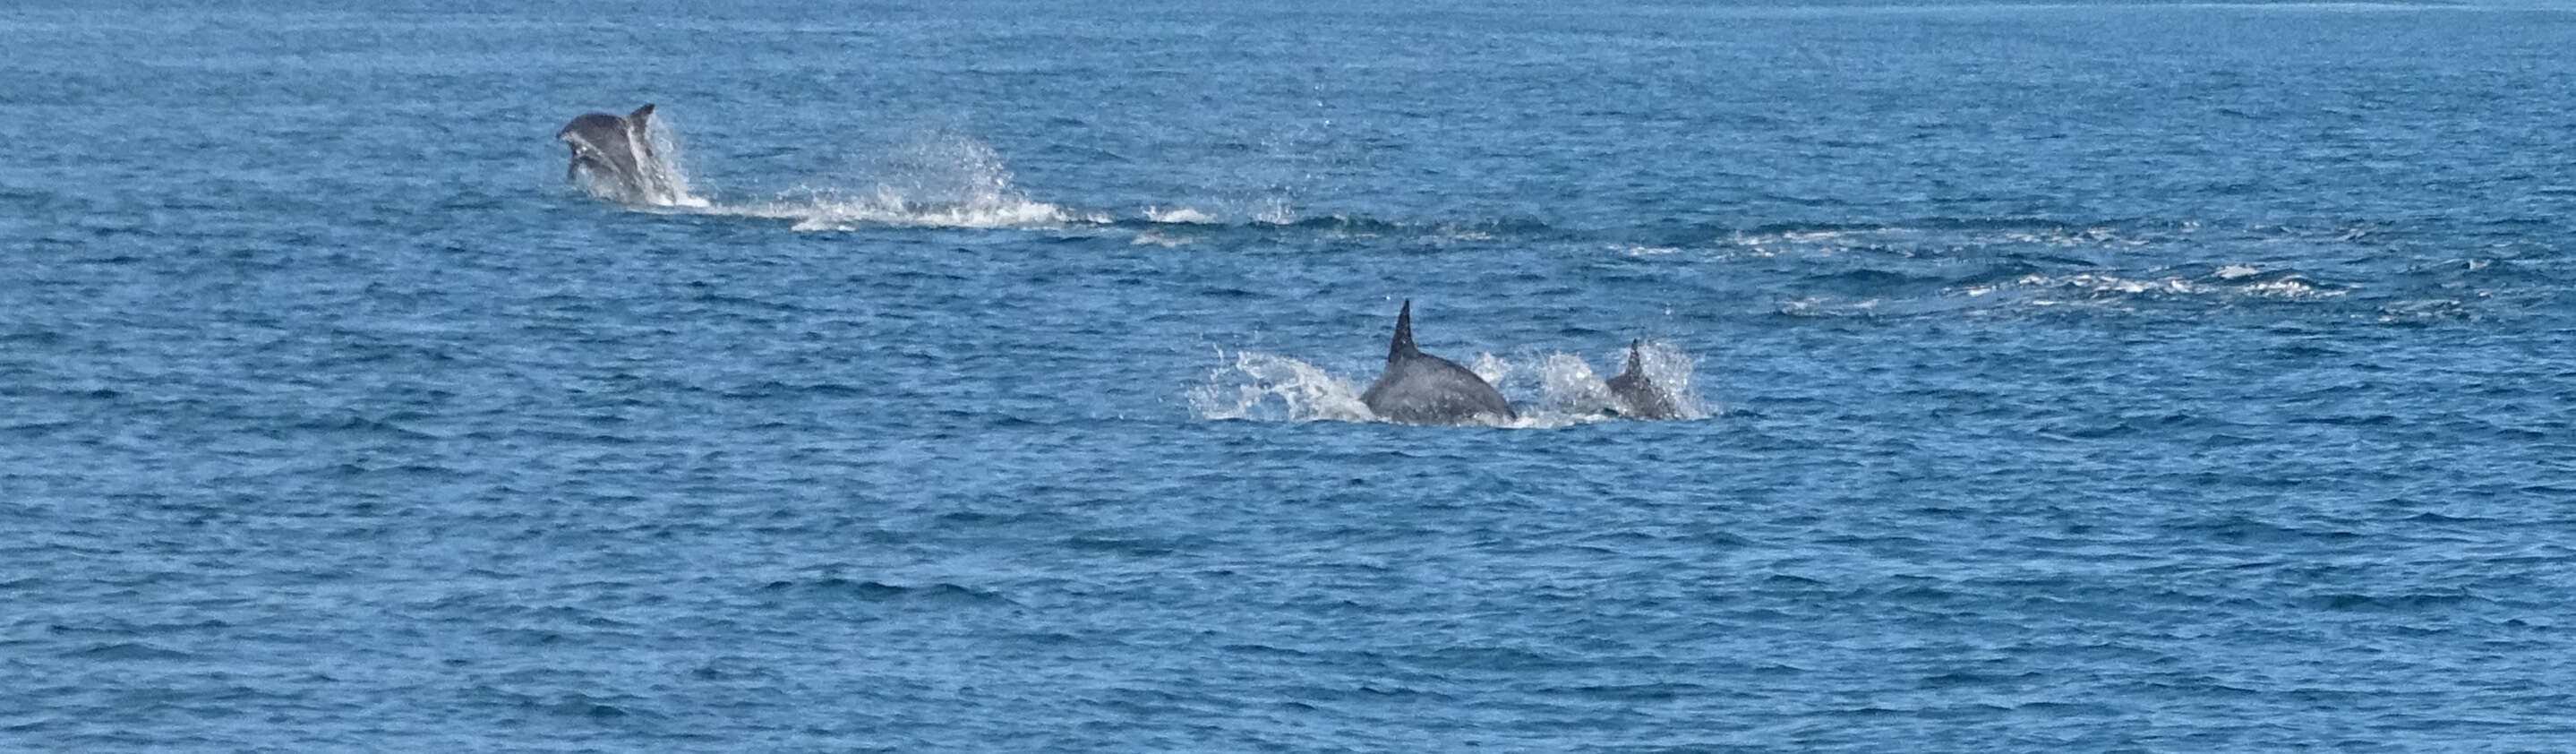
(2067, 378)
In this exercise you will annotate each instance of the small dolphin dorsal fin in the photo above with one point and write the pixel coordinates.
(1634, 367)
(1402, 344)
(641, 114)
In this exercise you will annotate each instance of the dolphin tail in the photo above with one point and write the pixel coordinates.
(1402, 344)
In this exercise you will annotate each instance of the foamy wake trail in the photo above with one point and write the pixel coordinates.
(826, 211)
(1269, 387)
(945, 181)
(940, 180)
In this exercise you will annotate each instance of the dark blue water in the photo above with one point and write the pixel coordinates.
(2068, 378)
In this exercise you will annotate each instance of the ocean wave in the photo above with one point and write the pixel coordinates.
(127, 650)
(1931, 237)
(2019, 284)
(2233, 280)
(876, 591)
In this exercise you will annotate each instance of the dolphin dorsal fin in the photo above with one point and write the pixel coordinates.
(1633, 366)
(641, 114)
(1402, 344)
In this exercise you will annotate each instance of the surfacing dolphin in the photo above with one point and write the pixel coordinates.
(1419, 388)
(1638, 396)
(618, 154)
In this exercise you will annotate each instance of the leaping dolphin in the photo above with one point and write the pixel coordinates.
(1638, 396)
(618, 153)
(1419, 388)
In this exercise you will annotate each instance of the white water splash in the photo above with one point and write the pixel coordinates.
(1179, 216)
(890, 207)
(944, 180)
(1274, 211)
(1263, 386)
(1569, 385)
(668, 169)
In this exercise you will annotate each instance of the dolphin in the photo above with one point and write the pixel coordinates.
(1419, 388)
(618, 153)
(1638, 396)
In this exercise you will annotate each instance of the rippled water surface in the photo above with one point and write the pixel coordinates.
(2061, 378)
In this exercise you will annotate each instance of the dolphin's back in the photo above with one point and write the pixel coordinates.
(1419, 388)
(604, 141)
(1638, 394)
(1424, 389)
(594, 126)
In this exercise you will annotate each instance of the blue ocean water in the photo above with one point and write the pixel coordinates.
(2163, 377)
